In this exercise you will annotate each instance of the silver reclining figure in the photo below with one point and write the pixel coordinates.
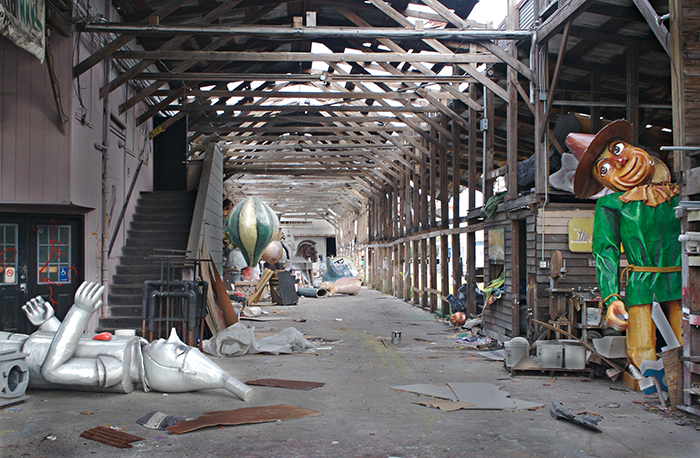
(62, 356)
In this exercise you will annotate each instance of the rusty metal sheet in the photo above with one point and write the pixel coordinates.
(243, 416)
(281, 383)
(111, 437)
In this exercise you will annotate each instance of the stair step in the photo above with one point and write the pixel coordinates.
(164, 218)
(109, 324)
(168, 195)
(152, 225)
(153, 242)
(124, 299)
(146, 270)
(161, 221)
(126, 311)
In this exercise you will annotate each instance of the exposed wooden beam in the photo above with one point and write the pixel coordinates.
(657, 27)
(237, 56)
(122, 40)
(292, 33)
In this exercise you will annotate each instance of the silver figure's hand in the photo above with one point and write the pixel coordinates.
(38, 311)
(89, 297)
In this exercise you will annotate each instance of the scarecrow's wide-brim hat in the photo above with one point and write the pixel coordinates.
(587, 148)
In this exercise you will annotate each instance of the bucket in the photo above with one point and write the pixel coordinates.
(516, 348)
(396, 337)
(574, 355)
(549, 354)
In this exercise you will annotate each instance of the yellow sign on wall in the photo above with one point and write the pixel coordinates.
(581, 235)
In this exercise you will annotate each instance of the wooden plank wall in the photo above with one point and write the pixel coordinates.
(686, 123)
(552, 230)
(34, 155)
(547, 227)
(690, 20)
(499, 322)
(497, 316)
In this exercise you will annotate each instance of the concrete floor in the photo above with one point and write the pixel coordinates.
(362, 415)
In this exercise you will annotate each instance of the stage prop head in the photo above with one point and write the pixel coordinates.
(608, 160)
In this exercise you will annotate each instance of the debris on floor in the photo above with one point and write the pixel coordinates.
(281, 383)
(445, 406)
(474, 340)
(159, 420)
(587, 420)
(243, 416)
(494, 355)
(490, 396)
(470, 396)
(239, 340)
(110, 436)
(442, 392)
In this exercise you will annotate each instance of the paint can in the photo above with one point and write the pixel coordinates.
(396, 337)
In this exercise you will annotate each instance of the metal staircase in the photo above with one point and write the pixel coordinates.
(160, 224)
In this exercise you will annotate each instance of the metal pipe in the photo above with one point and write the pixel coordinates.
(307, 32)
(312, 292)
(104, 147)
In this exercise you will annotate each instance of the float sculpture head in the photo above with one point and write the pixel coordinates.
(172, 366)
(608, 160)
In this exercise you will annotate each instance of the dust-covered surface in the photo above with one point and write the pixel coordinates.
(361, 415)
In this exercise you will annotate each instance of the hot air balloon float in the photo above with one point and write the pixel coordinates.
(252, 226)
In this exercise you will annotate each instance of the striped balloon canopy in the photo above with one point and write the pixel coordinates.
(252, 225)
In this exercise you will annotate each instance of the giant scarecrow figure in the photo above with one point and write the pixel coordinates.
(639, 215)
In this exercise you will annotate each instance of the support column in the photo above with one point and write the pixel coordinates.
(456, 177)
(633, 89)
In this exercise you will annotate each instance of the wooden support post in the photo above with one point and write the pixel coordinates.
(541, 152)
(433, 258)
(424, 189)
(471, 203)
(432, 188)
(595, 97)
(424, 273)
(633, 88)
(512, 135)
(489, 145)
(512, 111)
(415, 267)
(515, 277)
(456, 189)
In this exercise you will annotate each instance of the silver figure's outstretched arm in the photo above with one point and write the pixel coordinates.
(41, 314)
(59, 365)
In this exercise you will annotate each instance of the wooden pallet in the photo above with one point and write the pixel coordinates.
(552, 372)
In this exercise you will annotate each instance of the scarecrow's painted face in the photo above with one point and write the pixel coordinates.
(621, 166)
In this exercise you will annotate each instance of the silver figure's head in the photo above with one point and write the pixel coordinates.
(172, 366)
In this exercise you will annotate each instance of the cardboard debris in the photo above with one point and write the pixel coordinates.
(495, 355)
(426, 389)
(280, 383)
(445, 406)
(110, 436)
(488, 396)
(526, 363)
(243, 416)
